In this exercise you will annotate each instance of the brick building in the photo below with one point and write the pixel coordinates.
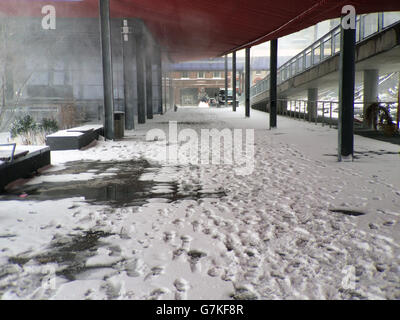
(194, 80)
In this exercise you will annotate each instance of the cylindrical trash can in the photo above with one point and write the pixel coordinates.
(119, 124)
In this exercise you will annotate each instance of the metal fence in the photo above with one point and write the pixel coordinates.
(328, 46)
(327, 112)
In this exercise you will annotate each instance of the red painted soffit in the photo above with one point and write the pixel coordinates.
(194, 29)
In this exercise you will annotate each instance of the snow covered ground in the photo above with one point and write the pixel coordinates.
(283, 232)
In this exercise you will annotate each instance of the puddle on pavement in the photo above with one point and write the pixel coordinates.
(121, 186)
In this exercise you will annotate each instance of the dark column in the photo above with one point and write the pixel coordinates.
(140, 73)
(234, 80)
(226, 80)
(105, 31)
(247, 82)
(171, 94)
(273, 83)
(164, 83)
(346, 93)
(149, 81)
(159, 80)
(128, 58)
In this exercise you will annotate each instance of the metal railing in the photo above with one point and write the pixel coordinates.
(12, 153)
(326, 47)
(327, 112)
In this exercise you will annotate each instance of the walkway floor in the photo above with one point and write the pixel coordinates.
(288, 222)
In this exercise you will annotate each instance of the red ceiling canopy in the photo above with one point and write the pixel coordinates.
(192, 29)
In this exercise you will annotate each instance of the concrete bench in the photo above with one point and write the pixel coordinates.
(28, 162)
(74, 138)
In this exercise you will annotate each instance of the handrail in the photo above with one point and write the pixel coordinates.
(327, 46)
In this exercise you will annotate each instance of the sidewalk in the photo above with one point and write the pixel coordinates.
(300, 226)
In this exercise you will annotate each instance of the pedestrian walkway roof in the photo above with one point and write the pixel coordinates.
(197, 29)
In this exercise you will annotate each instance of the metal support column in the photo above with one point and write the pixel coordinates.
(164, 83)
(226, 80)
(234, 80)
(128, 59)
(140, 73)
(159, 80)
(273, 83)
(247, 81)
(149, 81)
(346, 93)
(171, 93)
(105, 30)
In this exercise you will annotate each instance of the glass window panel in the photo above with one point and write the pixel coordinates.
(337, 42)
(327, 48)
(370, 24)
(390, 18)
(308, 59)
(317, 54)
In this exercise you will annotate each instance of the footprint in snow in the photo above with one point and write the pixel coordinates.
(215, 271)
(169, 236)
(157, 293)
(196, 225)
(186, 240)
(155, 271)
(194, 260)
(181, 286)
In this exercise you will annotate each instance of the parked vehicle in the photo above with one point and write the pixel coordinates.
(221, 97)
(212, 102)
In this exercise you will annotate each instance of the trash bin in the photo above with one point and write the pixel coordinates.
(119, 124)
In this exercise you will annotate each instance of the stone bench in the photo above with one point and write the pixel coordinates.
(74, 138)
(28, 161)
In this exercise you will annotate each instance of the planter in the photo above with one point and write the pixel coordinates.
(389, 130)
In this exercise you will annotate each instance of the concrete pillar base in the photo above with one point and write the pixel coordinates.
(312, 106)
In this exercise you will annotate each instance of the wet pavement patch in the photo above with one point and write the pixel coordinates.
(347, 212)
(116, 184)
(70, 253)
